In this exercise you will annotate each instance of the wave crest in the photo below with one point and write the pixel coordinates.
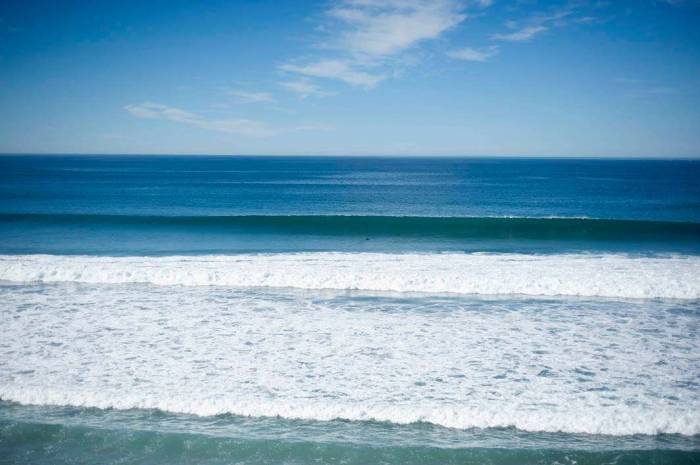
(546, 228)
(625, 421)
(607, 275)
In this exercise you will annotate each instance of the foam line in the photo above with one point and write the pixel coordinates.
(607, 275)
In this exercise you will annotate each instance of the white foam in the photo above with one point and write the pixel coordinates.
(621, 367)
(606, 275)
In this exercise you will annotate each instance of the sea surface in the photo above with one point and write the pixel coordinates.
(299, 310)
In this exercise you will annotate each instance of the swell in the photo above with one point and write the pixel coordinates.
(396, 226)
(359, 433)
(582, 419)
(587, 275)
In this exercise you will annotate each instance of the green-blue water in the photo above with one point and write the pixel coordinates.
(70, 435)
(348, 310)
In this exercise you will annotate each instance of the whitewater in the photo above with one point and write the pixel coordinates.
(586, 275)
(554, 365)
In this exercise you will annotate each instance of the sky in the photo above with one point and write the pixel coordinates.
(351, 77)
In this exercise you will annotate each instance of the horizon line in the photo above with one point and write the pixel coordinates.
(301, 155)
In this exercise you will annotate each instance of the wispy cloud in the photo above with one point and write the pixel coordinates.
(304, 88)
(520, 35)
(387, 27)
(242, 127)
(539, 23)
(252, 97)
(365, 36)
(472, 54)
(527, 28)
(336, 69)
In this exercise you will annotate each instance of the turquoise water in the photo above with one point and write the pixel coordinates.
(349, 310)
(155, 437)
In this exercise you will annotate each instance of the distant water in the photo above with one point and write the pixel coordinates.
(349, 310)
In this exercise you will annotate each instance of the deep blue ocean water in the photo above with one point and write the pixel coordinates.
(163, 309)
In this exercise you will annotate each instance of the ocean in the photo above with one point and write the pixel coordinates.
(349, 310)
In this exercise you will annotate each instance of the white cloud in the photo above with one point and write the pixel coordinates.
(252, 97)
(304, 88)
(472, 54)
(540, 23)
(336, 69)
(520, 35)
(368, 35)
(387, 27)
(242, 127)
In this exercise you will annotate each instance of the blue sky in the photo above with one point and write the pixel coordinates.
(355, 77)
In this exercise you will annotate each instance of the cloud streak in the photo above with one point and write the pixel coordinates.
(304, 88)
(252, 97)
(538, 24)
(241, 127)
(472, 54)
(336, 69)
(521, 35)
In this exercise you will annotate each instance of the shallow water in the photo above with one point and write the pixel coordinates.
(580, 366)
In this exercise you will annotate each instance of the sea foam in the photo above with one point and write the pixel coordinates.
(574, 365)
(587, 275)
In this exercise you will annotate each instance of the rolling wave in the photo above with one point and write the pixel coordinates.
(620, 422)
(603, 275)
(382, 226)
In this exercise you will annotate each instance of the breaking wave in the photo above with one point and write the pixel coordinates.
(586, 275)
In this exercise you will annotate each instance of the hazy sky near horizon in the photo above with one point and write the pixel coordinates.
(357, 77)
